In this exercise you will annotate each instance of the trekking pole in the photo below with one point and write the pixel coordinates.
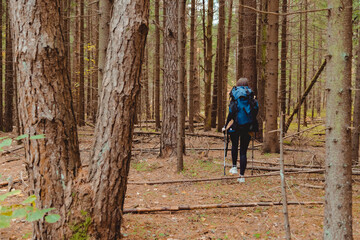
(252, 154)
(224, 149)
(226, 141)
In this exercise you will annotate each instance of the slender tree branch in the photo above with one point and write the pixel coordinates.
(284, 14)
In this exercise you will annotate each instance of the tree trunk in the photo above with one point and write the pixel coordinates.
(290, 78)
(283, 59)
(227, 56)
(221, 63)
(313, 96)
(88, 62)
(95, 80)
(81, 96)
(305, 60)
(9, 77)
(52, 162)
(338, 179)
(1, 68)
(104, 20)
(271, 143)
(240, 41)
(67, 36)
(181, 80)
(262, 66)
(208, 65)
(110, 162)
(249, 58)
(192, 66)
(299, 81)
(196, 90)
(146, 85)
(356, 115)
(169, 122)
(214, 105)
(76, 58)
(157, 65)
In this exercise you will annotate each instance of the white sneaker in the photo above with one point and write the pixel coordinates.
(241, 179)
(233, 170)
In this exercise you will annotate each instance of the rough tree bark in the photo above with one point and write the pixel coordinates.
(95, 75)
(81, 96)
(356, 123)
(227, 56)
(1, 68)
(214, 103)
(157, 65)
(249, 57)
(290, 78)
(181, 80)
(271, 143)
(221, 63)
(338, 179)
(169, 122)
(45, 108)
(208, 65)
(283, 59)
(305, 61)
(146, 84)
(88, 63)
(192, 67)
(104, 20)
(262, 66)
(9, 77)
(240, 41)
(300, 62)
(110, 160)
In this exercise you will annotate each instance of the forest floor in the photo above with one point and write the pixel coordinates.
(204, 160)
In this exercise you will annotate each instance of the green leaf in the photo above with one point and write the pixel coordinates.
(27, 235)
(4, 196)
(7, 142)
(4, 221)
(257, 235)
(38, 214)
(19, 213)
(52, 218)
(30, 199)
(21, 137)
(1, 138)
(41, 136)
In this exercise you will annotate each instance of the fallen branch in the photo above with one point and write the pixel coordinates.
(12, 150)
(188, 134)
(303, 97)
(311, 186)
(11, 160)
(6, 183)
(305, 130)
(288, 165)
(218, 179)
(212, 206)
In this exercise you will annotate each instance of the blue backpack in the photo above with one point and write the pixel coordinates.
(245, 106)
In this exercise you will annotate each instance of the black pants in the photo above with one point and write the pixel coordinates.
(244, 137)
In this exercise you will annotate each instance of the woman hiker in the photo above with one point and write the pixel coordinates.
(243, 109)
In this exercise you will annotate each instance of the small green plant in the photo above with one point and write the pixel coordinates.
(143, 166)
(257, 235)
(257, 210)
(27, 209)
(6, 141)
(80, 230)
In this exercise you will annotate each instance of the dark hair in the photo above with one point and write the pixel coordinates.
(242, 82)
